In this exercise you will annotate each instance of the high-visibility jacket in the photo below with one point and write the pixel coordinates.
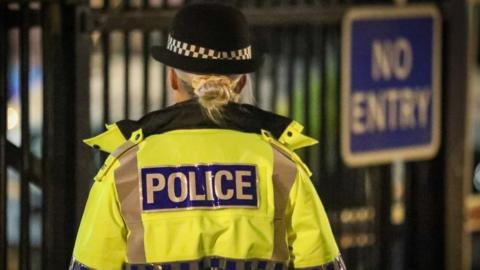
(180, 192)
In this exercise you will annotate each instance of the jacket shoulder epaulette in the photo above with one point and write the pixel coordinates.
(293, 138)
(135, 138)
(115, 135)
(290, 140)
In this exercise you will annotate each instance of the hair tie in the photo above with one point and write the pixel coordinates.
(205, 84)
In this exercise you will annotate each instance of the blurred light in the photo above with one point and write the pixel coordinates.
(353, 240)
(476, 178)
(175, 3)
(362, 239)
(346, 216)
(14, 6)
(362, 214)
(397, 216)
(95, 36)
(346, 241)
(13, 118)
(35, 5)
(357, 215)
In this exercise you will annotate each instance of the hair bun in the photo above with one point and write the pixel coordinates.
(212, 90)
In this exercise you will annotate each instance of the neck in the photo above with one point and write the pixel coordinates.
(181, 96)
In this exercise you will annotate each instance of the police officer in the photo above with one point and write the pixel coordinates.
(207, 183)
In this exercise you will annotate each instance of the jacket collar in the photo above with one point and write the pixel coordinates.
(189, 115)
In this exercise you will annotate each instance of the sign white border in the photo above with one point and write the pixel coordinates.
(404, 153)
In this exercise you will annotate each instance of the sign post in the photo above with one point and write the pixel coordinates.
(390, 84)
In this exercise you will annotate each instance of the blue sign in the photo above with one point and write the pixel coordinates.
(199, 186)
(390, 84)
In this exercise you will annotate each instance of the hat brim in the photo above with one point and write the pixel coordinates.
(199, 65)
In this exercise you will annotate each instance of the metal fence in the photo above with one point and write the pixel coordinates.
(42, 108)
(67, 68)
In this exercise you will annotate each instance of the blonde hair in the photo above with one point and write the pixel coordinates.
(212, 90)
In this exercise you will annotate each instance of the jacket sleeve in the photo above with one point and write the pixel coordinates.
(101, 238)
(310, 237)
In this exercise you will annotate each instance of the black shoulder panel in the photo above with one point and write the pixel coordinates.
(127, 127)
(189, 115)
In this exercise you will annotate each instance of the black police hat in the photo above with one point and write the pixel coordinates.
(209, 38)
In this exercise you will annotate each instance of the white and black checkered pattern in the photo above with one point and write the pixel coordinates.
(195, 51)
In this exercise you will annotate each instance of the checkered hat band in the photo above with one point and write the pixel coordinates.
(194, 51)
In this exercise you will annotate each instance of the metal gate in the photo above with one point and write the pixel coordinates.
(68, 67)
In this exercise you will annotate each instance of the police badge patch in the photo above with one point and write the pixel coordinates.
(199, 186)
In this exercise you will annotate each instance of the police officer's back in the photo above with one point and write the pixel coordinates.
(207, 182)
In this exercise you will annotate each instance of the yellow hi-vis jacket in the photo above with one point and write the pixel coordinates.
(182, 193)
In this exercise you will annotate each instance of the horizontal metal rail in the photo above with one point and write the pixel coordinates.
(271, 16)
(159, 18)
(14, 160)
(14, 18)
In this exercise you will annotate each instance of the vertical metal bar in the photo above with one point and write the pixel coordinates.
(322, 66)
(331, 39)
(336, 172)
(316, 101)
(84, 169)
(291, 69)
(24, 256)
(410, 216)
(126, 66)
(65, 100)
(106, 75)
(331, 172)
(105, 37)
(164, 75)
(457, 131)
(308, 38)
(3, 134)
(45, 134)
(146, 72)
(426, 212)
(341, 172)
(372, 185)
(384, 231)
(275, 41)
(126, 55)
(257, 93)
(334, 52)
(146, 66)
(258, 74)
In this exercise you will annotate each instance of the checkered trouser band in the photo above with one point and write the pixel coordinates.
(217, 263)
(336, 264)
(195, 51)
(220, 264)
(212, 263)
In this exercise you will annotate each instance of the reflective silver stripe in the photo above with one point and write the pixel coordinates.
(127, 184)
(336, 264)
(340, 263)
(122, 148)
(284, 174)
(76, 265)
